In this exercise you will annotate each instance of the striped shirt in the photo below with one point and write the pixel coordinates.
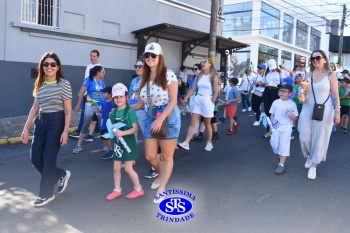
(51, 96)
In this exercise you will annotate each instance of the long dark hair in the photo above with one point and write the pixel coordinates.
(160, 79)
(268, 70)
(41, 74)
(93, 71)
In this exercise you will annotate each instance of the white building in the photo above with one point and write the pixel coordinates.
(73, 28)
(274, 29)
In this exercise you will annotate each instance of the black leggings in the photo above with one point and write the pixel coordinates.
(270, 95)
(256, 102)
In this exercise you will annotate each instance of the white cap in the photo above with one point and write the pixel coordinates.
(272, 64)
(119, 89)
(153, 48)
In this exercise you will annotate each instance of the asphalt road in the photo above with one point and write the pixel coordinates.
(235, 187)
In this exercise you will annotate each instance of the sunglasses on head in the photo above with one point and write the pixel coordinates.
(195, 69)
(317, 58)
(146, 55)
(52, 64)
(204, 61)
(138, 66)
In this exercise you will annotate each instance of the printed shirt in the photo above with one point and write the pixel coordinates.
(94, 88)
(51, 97)
(134, 90)
(282, 122)
(344, 102)
(233, 94)
(296, 93)
(158, 95)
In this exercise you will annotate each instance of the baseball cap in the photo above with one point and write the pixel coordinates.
(262, 66)
(153, 48)
(107, 89)
(272, 64)
(345, 80)
(288, 80)
(345, 72)
(119, 89)
(286, 86)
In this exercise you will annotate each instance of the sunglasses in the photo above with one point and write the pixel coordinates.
(52, 64)
(138, 66)
(146, 55)
(204, 61)
(317, 58)
(195, 69)
(283, 91)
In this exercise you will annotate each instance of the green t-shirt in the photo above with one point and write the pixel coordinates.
(296, 92)
(216, 108)
(344, 102)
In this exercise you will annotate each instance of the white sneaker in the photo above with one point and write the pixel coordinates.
(249, 109)
(209, 146)
(184, 145)
(308, 162)
(311, 175)
(244, 110)
(256, 123)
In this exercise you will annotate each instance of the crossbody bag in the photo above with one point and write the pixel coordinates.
(318, 112)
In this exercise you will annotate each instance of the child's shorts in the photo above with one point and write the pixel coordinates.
(344, 110)
(174, 122)
(231, 110)
(280, 142)
(102, 132)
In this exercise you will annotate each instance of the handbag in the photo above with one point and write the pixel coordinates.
(258, 93)
(318, 112)
(164, 129)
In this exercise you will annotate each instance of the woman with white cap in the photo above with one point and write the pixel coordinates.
(159, 93)
(273, 77)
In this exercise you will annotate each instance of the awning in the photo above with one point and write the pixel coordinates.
(188, 37)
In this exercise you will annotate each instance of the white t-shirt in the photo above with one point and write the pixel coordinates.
(282, 122)
(87, 71)
(183, 77)
(273, 78)
(204, 86)
(246, 82)
(227, 90)
(259, 79)
(158, 95)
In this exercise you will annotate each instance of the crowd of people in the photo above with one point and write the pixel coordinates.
(151, 105)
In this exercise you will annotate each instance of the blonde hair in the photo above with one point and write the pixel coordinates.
(212, 71)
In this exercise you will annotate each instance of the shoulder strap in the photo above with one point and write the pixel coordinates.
(313, 92)
(149, 100)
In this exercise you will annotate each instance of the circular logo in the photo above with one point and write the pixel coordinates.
(175, 206)
(302, 59)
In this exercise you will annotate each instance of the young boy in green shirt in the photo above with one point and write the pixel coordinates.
(344, 103)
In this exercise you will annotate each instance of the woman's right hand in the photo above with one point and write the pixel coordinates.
(24, 136)
(77, 109)
(185, 101)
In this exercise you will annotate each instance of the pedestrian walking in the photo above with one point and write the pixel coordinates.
(258, 89)
(247, 80)
(231, 106)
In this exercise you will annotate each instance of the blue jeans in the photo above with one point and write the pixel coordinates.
(174, 122)
(81, 121)
(45, 148)
(245, 99)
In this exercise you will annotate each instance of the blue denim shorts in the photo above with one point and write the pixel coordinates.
(174, 122)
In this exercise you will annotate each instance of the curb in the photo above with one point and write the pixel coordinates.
(18, 139)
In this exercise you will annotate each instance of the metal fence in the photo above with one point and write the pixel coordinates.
(43, 12)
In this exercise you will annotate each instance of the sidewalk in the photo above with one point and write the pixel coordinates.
(11, 128)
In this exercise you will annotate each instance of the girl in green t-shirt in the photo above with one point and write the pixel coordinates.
(344, 104)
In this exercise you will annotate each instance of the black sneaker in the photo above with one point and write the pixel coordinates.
(151, 174)
(222, 119)
(63, 182)
(215, 136)
(74, 135)
(199, 137)
(43, 201)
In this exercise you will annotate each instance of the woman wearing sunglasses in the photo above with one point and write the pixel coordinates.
(51, 112)
(314, 135)
(207, 86)
(159, 96)
(93, 85)
(196, 70)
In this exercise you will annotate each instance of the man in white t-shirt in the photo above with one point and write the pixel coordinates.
(94, 57)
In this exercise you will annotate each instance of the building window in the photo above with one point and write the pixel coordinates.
(238, 19)
(286, 59)
(315, 39)
(301, 35)
(269, 21)
(266, 53)
(287, 29)
(42, 12)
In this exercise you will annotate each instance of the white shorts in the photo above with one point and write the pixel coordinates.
(280, 142)
(203, 106)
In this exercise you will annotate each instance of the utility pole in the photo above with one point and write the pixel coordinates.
(340, 50)
(213, 29)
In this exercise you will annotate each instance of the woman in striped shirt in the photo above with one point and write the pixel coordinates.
(51, 112)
